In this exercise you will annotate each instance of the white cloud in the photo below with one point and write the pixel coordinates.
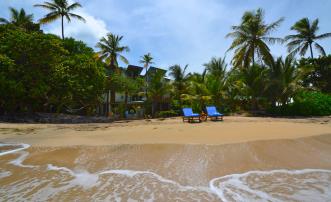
(90, 32)
(177, 31)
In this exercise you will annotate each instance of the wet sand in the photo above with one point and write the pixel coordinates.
(239, 159)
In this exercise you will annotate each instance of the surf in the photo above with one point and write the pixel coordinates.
(269, 185)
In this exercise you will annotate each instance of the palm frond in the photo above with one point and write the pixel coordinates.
(304, 49)
(50, 17)
(73, 6)
(49, 7)
(77, 17)
(320, 49)
(314, 26)
(4, 21)
(273, 26)
(123, 59)
(323, 36)
(273, 40)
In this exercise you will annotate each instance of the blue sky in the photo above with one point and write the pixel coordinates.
(178, 31)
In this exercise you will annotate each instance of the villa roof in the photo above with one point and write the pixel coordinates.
(155, 69)
(136, 69)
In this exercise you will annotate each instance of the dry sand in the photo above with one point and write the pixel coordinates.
(168, 131)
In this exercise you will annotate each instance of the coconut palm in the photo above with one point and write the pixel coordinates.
(111, 49)
(59, 9)
(197, 94)
(180, 77)
(254, 79)
(146, 60)
(216, 79)
(18, 18)
(158, 87)
(216, 67)
(305, 38)
(284, 77)
(251, 38)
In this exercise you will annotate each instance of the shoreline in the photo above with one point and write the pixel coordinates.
(169, 160)
(168, 131)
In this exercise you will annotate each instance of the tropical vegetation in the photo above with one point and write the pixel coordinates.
(46, 73)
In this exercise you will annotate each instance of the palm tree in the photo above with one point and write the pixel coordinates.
(158, 87)
(18, 18)
(251, 38)
(216, 79)
(146, 60)
(254, 79)
(110, 50)
(180, 77)
(305, 38)
(60, 9)
(284, 77)
(197, 94)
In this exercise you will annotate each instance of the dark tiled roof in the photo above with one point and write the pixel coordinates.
(136, 69)
(154, 69)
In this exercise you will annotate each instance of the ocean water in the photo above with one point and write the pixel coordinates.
(41, 180)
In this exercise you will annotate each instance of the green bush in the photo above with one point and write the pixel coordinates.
(165, 114)
(41, 73)
(306, 103)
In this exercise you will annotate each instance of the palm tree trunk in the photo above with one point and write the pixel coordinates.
(112, 92)
(62, 27)
(146, 80)
(125, 103)
(311, 51)
(253, 59)
(107, 104)
(153, 108)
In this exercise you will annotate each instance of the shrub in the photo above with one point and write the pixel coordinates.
(165, 114)
(306, 103)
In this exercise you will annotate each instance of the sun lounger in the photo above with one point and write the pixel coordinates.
(189, 115)
(213, 113)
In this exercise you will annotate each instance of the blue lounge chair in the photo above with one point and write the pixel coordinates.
(213, 113)
(190, 116)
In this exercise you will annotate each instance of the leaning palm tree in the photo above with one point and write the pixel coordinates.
(60, 9)
(305, 38)
(18, 18)
(251, 38)
(110, 50)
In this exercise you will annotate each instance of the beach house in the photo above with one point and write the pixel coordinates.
(136, 103)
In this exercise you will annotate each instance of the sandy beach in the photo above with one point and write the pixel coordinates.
(241, 158)
(168, 131)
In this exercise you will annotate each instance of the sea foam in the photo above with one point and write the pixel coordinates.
(273, 185)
